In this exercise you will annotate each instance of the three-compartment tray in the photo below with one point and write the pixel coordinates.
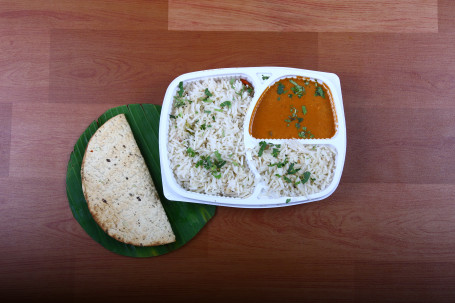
(260, 78)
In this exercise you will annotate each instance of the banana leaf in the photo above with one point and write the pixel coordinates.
(186, 219)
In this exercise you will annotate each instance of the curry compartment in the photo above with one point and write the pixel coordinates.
(294, 107)
(305, 123)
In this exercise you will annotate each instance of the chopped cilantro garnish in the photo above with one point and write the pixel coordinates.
(319, 92)
(263, 146)
(279, 164)
(180, 91)
(288, 200)
(213, 118)
(212, 166)
(290, 95)
(207, 111)
(208, 93)
(179, 102)
(305, 133)
(280, 89)
(191, 152)
(219, 162)
(275, 152)
(291, 170)
(172, 117)
(304, 111)
(265, 77)
(297, 89)
(204, 126)
(218, 155)
(232, 82)
(287, 179)
(226, 103)
(305, 177)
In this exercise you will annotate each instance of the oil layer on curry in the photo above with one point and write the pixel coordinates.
(297, 107)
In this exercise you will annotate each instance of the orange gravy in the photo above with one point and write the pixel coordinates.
(294, 108)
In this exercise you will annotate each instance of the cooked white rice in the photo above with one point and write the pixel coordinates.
(201, 128)
(318, 160)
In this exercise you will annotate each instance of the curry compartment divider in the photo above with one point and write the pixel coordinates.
(262, 79)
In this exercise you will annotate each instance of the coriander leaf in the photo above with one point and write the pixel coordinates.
(291, 170)
(302, 134)
(275, 152)
(191, 152)
(226, 103)
(208, 93)
(305, 177)
(232, 82)
(319, 92)
(287, 179)
(172, 117)
(218, 156)
(180, 91)
(297, 89)
(304, 111)
(288, 200)
(263, 146)
(179, 102)
(280, 89)
(207, 111)
(279, 164)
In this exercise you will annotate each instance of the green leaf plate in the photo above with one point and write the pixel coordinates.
(186, 219)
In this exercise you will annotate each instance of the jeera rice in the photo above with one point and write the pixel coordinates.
(206, 146)
(292, 169)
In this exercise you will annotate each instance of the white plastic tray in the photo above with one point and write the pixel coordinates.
(173, 191)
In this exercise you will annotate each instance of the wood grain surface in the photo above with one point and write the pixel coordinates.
(408, 16)
(387, 234)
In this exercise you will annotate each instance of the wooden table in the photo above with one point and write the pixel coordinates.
(387, 234)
